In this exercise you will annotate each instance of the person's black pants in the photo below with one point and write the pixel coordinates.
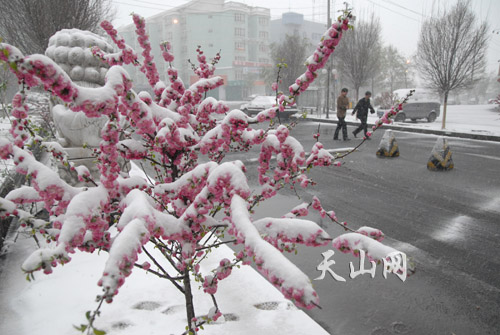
(362, 126)
(341, 124)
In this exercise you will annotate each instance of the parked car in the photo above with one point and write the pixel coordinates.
(415, 111)
(262, 102)
(422, 105)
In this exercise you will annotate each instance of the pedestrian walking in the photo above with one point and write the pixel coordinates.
(361, 111)
(342, 105)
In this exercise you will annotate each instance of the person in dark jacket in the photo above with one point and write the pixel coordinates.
(361, 109)
(342, 105)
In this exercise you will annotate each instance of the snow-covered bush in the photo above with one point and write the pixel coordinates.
(196, 198)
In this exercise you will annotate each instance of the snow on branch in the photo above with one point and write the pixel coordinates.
(291, 230)
(138, 205)
(292, 282)
(122, 256)
(353, 242)
(82, 216)
(49, 185)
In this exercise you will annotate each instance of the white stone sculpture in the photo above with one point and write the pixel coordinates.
(70, 49)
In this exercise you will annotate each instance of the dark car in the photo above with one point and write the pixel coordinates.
(262, 102)
(422, 105)
(415, 111)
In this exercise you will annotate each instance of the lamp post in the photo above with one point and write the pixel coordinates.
(334, 73)
(406, 72)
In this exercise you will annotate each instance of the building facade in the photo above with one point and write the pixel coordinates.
(240, 32)
(294, 24)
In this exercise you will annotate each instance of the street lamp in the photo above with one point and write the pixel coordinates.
(334, 74)
(406, 72)
(327, 87)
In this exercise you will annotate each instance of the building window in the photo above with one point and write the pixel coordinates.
(210, 45)
(238, 75)
(239, 32)
(239, 17)
(240, 58)
(264, 60)
(239, 46)
(210, 30)
(263, 21)
(210, 16)
(263, 34)
(263, 47)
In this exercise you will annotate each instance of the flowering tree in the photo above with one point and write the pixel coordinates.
(192, 202)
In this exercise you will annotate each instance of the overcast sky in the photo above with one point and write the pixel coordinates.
(401, 19)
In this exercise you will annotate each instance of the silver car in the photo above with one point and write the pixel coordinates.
(424, 104)
(416, 110)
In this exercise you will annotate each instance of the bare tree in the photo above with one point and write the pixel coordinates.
(358, 56)
(451, 51)
(292, 51)
(28, 24)
(394, 67)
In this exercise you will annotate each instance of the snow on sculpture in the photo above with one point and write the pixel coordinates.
(192, 199)
(71, 50)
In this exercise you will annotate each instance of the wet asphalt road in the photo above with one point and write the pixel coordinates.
(447, 222)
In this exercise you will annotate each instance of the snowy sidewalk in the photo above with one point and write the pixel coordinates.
(481, 122)
(53, 303)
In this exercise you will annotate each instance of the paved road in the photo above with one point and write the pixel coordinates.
(447, 222)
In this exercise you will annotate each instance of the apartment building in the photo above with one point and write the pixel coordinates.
(240, 32)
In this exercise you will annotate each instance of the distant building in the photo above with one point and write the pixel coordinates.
(294, 24)
(240, 31)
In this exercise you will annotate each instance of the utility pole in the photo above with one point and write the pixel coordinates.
(329, 68)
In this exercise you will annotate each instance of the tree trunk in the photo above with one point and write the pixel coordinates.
(188, 295)
(445, 105)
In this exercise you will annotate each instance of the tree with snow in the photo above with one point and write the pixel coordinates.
(451, 51)
(197, 196)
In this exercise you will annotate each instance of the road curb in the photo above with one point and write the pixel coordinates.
(419, 130)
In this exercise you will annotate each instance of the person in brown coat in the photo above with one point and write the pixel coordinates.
(342, 105)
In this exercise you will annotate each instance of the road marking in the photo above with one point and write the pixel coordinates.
(483, 156)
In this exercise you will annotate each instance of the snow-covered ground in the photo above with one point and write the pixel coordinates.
(473, 119)
(55, 303)
(148, 305)
(145, 305)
